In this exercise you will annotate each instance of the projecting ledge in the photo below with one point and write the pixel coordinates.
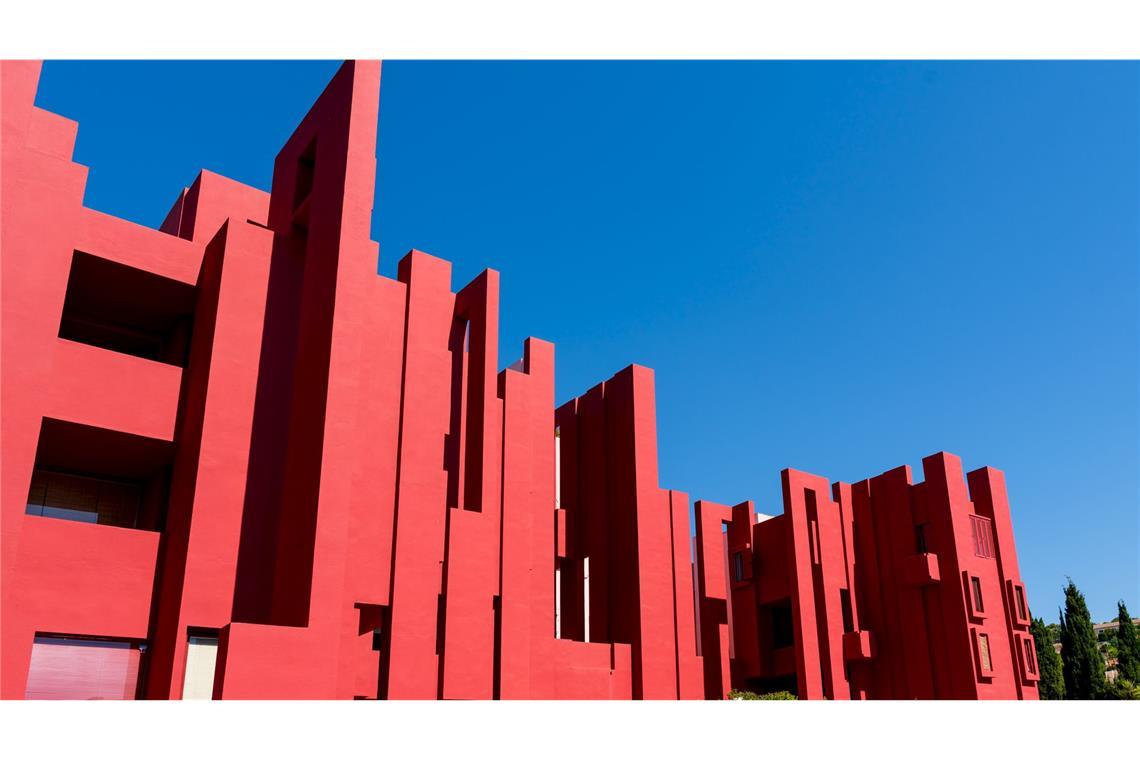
(858, 645)
(921, 570)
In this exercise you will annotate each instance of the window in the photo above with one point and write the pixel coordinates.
(1022, 608)
(984, 660)
(976, 594)
(128, 310)
(84, 499)
(1030, 655)
(920, 544)
(738, 566)
(201, 661)
(982, 534)
(813, 540)
(848, 613)
(66, 667)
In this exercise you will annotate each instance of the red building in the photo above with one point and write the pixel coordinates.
(238, 463)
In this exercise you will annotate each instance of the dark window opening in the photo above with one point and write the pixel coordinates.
(813, 541)
(1022, 608)
(783, 632)
(920, 543)
(738, 566)
(1030, 656)
(440, 623)
(128, 310)
(976, 593)
(848, 613)
(93, 475)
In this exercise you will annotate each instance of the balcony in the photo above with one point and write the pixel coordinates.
(99, 476)
(131, 311)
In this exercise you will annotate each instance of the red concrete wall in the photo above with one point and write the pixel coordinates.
(873, 616)
(341, 485)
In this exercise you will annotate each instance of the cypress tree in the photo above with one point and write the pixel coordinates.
(1127, 646)
(1052, 683)
(1082, 665)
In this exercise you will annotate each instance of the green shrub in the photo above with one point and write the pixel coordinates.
(748, 695)
(1121, 688)
(781, 695)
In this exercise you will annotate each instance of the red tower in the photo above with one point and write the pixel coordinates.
(237, 463)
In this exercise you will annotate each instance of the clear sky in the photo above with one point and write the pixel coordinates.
(837, 267)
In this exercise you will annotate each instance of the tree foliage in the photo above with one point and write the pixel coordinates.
(1127, 646)
(1052, 683)
(1082, 664)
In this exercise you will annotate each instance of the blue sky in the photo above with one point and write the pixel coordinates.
(837, 267)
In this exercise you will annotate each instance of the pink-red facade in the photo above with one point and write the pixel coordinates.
(231, 430)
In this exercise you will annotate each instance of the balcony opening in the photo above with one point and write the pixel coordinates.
(782, 628)
(94, 475)
(128, 310)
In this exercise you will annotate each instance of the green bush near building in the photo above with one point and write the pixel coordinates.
(749, 695)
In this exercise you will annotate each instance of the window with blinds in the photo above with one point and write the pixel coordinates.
(981, 531)
(84, 499)
(76, 668)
